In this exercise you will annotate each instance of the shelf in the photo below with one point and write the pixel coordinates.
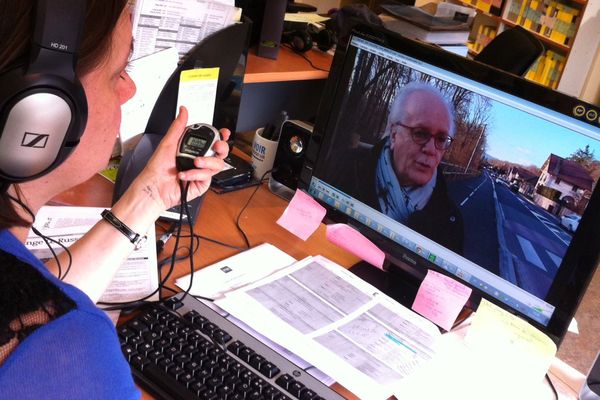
(480, 11)
(563, 47)
(289, 66)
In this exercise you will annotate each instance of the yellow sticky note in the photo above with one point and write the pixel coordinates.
(510, 343)
(199, 74)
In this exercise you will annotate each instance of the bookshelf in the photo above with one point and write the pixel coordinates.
(554, 22)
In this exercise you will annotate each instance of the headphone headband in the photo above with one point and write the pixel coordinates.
(43, 109)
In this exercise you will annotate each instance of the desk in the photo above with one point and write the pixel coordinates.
(289, 66)
(289, 83)
(217, 221)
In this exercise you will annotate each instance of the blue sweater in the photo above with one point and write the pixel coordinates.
(76, 356)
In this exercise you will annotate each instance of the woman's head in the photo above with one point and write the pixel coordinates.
(103, 55)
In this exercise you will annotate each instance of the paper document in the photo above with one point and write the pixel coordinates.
(149, 74)
(501, 357)
(198, 92)
(247, 267)
(339, 323)
(137, 276)
(237, 271)
(515, 345)
(161, 24)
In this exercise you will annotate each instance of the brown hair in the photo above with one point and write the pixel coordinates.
(16, 28)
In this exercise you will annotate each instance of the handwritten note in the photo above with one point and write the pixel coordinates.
(512, 343)
(197, 92)
(302, 216)
(356, 243)
(440, 299)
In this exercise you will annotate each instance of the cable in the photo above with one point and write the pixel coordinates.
(160, 243)
(172, 259)
(46, 240)
(551, 384)
(237, 221)
(215, 241)
(220, 243)
(189, 221)
(306, 58)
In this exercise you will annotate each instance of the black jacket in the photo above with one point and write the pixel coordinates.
(440, 220)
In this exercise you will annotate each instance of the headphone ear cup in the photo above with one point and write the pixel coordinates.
(325, 39)
(301, 41)
(41, 121)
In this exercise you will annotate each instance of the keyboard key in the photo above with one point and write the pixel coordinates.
(225, 391)
(235, 347)
(269, 369)
(296, 388)
(285, 380)
(220, 336)
(308, 394)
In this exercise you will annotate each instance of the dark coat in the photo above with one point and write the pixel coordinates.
(440, 220)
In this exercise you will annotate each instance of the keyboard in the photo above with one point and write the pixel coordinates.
(185, 350)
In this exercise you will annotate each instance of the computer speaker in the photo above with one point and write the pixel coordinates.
(291, 152)
(272, 29)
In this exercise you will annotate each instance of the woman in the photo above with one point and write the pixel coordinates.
(54, 342)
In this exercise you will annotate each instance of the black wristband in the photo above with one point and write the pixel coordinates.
(135, 238)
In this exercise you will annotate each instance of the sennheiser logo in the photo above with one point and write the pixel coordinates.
(35, 140)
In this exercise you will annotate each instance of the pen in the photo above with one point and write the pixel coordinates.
(283, 116)
(160, 243)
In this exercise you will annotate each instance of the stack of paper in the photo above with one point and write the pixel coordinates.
(337, 322)
(416, 23)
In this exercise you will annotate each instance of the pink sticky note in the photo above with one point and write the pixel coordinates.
(302, 216)
(353, 241)
(440, 299)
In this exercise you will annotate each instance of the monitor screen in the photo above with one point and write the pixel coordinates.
(451, 165)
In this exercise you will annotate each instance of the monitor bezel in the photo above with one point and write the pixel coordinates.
(581, 259)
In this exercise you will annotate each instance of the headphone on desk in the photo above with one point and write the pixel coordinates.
(303, 40)
(43, 108)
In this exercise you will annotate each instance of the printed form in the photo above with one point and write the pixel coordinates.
(135, 278)
(161, 24)
(326, 315)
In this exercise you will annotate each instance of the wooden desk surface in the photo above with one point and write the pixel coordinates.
(289, 66)
(217, 220)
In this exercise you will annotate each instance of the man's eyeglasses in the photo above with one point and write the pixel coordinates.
(421, 136)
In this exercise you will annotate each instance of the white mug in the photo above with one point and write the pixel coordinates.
(263, 154)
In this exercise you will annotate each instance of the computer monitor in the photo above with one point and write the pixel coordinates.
(511, 210)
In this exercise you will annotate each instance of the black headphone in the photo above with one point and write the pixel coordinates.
(43, 108)
(303, 40)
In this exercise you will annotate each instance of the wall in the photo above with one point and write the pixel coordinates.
(591, 88)
(322, 5)
(581, 58)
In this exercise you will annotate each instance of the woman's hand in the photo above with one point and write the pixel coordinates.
(160, 178)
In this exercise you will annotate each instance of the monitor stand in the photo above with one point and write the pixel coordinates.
(401, 286)
(395, 283)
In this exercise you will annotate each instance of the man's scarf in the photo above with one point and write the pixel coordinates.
(396, 201)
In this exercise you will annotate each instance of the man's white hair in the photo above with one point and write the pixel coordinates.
(398, 108)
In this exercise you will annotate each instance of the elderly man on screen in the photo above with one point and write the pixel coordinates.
(399, 175)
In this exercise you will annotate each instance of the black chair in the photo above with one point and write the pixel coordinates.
(514, 50)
